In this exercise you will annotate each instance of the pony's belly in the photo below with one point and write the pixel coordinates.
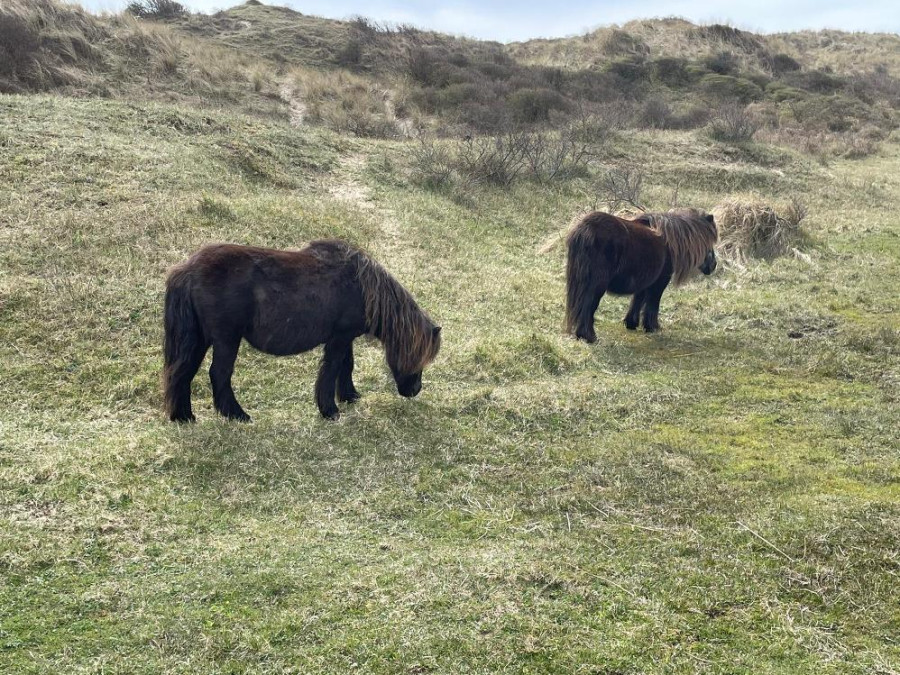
(625, 285)
(288, 338)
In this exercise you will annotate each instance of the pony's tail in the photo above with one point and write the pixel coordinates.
(183, 348)
(580, 274)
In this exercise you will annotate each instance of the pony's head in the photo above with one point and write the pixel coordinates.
(409, 384)
(691, 236)
(709, 263)
(411, 340)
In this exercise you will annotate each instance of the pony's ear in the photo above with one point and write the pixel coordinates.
(710, 218)
(436, 331)
(643, 219)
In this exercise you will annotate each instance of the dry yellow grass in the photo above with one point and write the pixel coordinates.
(751, 228)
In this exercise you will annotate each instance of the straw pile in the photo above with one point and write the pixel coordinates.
(752, 229)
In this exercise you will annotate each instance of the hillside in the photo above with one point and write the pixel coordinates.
(827, 93)
(719, 497)
(840, 52)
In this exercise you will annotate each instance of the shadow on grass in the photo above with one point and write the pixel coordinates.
(376, 440)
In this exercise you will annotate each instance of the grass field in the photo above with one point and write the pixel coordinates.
(718, 498)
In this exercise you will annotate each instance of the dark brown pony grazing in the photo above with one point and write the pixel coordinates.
(287, 302)
(633, 257)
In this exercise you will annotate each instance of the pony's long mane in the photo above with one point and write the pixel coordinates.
(689, 235)
(393, 316)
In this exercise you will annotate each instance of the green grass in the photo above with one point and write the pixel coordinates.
(718, 497)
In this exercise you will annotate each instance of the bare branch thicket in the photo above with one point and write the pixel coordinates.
(551, 156)
(156, 9)
(622, 187)
(501, 159)
(494, 159)
(432, 162)
(733, 124)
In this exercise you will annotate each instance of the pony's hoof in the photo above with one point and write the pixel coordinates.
(183, 419)
(333, 415)
(240, 417)
(651, 329)
(351, 398)
(631, 326)
(590, 339)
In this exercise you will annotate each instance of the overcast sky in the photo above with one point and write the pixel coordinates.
(508, 20)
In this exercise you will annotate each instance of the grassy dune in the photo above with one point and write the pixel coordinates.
(718, 497)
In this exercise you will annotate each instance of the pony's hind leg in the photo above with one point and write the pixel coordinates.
(178, 389)
(332, 362)
(346, 392)
(220, 372)
(584, 329)
(633, 318)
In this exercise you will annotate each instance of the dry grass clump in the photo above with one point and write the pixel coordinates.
(753, 229)
(46, 45)
(344, 102)
(41, 42)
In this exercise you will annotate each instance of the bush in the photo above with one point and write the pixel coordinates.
(535, 105)
(617, 42)
(629, 70)
(432, 163)
(693, 117)
(655, 113)
(779, 91)
(487, 117)
(728, 88)
(857, 145)
(596, 86)
(622, 187)
(723, 63)
(555, 155)
(497, 160)
(457, 95)
(426, 66)
(500, 159)
(817, 81)
(834, 113)
(733, 124)
(351, 53)
(156, 9)
(671, 71)
(784, 63)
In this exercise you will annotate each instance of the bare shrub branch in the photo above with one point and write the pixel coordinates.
(733, 124)
(622, 187)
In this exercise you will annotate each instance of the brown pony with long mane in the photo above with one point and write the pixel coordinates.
(636, 257)
(288, 302)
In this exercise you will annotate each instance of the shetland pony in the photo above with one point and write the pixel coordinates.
(636, 257)
(287, 302)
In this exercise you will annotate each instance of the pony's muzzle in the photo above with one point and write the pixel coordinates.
(412, 391)
(409, 385)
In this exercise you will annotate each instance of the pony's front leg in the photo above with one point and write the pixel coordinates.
(346, 392)
(651, 309)
(332, 361)
(633, 318)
